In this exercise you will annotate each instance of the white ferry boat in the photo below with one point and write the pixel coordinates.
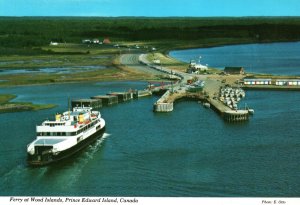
(66, 135)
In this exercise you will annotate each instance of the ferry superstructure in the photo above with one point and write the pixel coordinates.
(70, 132)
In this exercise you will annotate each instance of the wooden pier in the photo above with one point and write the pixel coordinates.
(163, 107)
(122, 96)
(227, 113)
(164, 104)
(111, 98)
(94, 103)
(106, 99)
(236, 115)
(175, 92)
(143, 93)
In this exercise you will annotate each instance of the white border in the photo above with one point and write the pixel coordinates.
(17, 200)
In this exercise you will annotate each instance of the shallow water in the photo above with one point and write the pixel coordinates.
(58, 70)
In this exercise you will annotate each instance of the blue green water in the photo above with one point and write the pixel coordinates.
(188, 152)
(275, 58)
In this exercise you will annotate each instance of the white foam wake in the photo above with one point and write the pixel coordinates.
(72, 173)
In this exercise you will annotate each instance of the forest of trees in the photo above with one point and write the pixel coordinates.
(28, 32)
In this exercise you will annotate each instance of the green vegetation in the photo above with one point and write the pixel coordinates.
(6, 106)
(28, 35)
(6, 98)
(98, 56)
(50, 61)
(25, 42)
(25, 45)
(167, 62)
(112, 74)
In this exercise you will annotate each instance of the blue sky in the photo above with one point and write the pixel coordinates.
(201, 8)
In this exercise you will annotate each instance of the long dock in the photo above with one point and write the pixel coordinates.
(109, 99)
(177, 91)
(227, 113)
(211, 94)
(142, 93)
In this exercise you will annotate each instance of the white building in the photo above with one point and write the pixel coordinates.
(289, 82)
(195, 68)
(96, 41)
(86, 41)
(257, 81)
(53, 43)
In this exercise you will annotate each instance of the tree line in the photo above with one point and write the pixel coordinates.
(26, 32)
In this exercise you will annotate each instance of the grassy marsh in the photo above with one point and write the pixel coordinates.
(7, 106)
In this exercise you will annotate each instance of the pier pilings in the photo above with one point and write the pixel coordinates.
(107, 99)
(122, 96)
(163, 107)
(112, 98)
(236, 116)
(94, 103)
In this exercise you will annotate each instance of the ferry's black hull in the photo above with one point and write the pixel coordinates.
(50, 158)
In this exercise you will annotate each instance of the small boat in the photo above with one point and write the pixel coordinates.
(251, 111)
(206, 105)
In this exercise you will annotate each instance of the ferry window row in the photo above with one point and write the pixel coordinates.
(54, 124)
(67, 133)
(87, 127)
(56, 133)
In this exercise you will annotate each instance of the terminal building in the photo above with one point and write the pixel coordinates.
(257, 81)
(288, 82)
(278, 82)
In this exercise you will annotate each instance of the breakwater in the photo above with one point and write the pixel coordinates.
(110, 98)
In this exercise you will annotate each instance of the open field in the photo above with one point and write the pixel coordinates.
(112, 74)
(99, 64)
(40, 61)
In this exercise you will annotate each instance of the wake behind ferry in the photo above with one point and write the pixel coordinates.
(67, 134)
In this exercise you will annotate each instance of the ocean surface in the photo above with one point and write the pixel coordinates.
(188, 152)
(275, 58)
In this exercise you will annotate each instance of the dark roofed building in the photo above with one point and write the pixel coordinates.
(234, 70)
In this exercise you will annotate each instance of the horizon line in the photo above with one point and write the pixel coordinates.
(158, 16)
